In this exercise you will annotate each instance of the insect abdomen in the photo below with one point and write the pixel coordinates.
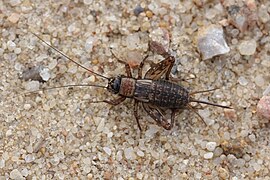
(161, 93)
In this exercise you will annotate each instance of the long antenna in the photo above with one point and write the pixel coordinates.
(66, 86)
(60, 52)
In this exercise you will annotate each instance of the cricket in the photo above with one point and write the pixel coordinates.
(155, 91)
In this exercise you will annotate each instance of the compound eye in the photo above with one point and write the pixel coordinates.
(116, 85)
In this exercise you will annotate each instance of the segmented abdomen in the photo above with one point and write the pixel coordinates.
(161, 93)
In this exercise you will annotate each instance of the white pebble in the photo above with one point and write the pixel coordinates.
(247, 47)
(151, 131)
(27, 106)
(140, 153)
(242, 80)
(266, 91)
(29, 158)
(45, 74)
(208, 155)
(14, 2)
(211, 146)
(8, 132)
(87, 2)
(2, 163)
(15, 174)
(107, 150)
(132, 41)
(259, 80)
(89, 44)
(101, 125)
(129, 153)
(11, 45)
(211, 41)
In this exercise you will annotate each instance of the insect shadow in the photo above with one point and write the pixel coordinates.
(153, 92)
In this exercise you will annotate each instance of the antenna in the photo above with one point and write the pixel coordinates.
(67, 86)
(60, 52)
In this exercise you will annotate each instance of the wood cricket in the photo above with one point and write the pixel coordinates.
(153, 92)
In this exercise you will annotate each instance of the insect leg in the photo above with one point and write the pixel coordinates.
(136, 105)
(161, 68)
(128, 70)
(111, 102)
(141, 66)
(195, 111)
(157, 114)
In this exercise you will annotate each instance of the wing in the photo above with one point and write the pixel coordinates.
(159, 69)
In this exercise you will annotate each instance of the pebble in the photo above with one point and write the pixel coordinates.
(259, 80)
(242, 81)
(15, 174)
(89, 43)
(14, 2)
(107, 150)
(211, 146)
(153, 129)
(32, 85)
(247, 47)
(211, 42)
(29, 158)
(87, 2)
(11, 45)
(14, 17)
(263, 107)
(138, 10)
(129, 153)
(45, 74)
(208, 155)
(266, 91)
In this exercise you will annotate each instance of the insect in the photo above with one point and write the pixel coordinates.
(154, 93)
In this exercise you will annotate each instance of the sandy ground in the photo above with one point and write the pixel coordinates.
(58, 134)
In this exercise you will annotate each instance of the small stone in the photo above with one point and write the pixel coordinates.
(129, 153)
(208, 155)
(132, 41)
(266, 91)
(211, 146)
(8, 132)
(45, 74)
(29, 158)
(107, 150)
(248, 47)
(89, 43)
(263, 107)
(153, 129)
(101, 125)
(263, 14)
(15, 174)
(230, 114)
(32, 86)
(87, 2)
(138, 10)
(27, 106)
(14, 17)
(140, 153)
(149, 14)
(211, 41)
(259, 80)
(2, 163)
(14, 2)
(11, 45)
(242, 81)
